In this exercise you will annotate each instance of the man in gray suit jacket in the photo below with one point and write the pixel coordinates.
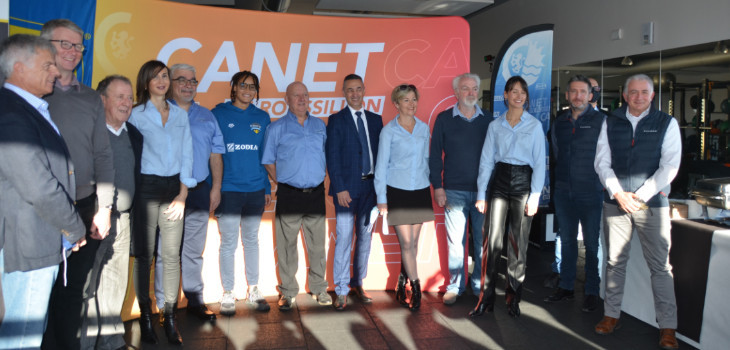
(37, 215)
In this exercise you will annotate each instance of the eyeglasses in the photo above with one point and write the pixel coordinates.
(251, 87)
(67, 45)
(183, 81)
(404, 87)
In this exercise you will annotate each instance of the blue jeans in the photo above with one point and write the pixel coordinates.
(356, 215)
(556, 264)
(26, 295)
(572, 208)
(459, 210)
(240, 210)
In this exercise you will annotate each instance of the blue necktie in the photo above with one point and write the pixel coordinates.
(363, 144)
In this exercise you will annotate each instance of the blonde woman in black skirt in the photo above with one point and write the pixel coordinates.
(402, 186)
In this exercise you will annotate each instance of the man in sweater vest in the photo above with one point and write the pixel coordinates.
(637, 157)
(103, 328)
(456, 146)
(578, 194)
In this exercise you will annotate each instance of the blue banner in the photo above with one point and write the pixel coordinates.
(529, 54)
(28, 16)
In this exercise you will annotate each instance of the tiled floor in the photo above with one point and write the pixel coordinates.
(385, 324)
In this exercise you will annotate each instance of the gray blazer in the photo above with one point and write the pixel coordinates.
(36, 188)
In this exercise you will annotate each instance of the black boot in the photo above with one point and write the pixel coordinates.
(485, 303)
(400, 289)
(173, 336)
(147, 334)
(415, 295)
(512, 298)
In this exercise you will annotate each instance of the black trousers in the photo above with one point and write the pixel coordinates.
(509, 191)
(66, 307)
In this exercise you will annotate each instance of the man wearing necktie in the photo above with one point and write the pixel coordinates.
(352, 147)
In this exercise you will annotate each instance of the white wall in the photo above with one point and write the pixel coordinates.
(583, 27)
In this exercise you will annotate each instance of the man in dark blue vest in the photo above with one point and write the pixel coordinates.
(637, 158)
(578, 192)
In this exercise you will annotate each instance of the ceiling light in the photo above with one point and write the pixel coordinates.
(627, 61)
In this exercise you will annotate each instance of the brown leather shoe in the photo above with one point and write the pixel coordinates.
(607, 325)
(667, 339)
(362, 295)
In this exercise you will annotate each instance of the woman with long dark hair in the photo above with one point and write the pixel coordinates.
(167, 166)
(513, 156)
(402, 185)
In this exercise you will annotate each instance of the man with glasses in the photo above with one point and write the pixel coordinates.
(78, 112)
(456, 147)
(202, 199)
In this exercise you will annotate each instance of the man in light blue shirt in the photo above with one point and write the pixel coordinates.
(202, 199)
(294, 156)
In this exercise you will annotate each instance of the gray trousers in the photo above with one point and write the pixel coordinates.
(103, 327)
(195, 232)
(295, 210)
(654, 229)
(154, 196)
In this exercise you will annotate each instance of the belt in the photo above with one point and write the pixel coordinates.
(303, 190)
(367, 177)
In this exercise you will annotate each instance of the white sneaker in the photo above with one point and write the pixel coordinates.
(256, 300)
(228, 304)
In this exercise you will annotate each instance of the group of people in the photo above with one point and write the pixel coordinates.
(117, 172)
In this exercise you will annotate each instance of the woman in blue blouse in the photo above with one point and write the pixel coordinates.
(167, 167)
(513, 156)
(402, 186)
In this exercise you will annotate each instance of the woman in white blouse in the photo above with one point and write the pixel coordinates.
(167, 169)
(402, 186)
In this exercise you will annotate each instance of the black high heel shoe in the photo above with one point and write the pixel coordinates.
(400, 290)
(415, 295)
(147, 333)
(481, 308)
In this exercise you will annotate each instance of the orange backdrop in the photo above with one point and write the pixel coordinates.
(281, 48)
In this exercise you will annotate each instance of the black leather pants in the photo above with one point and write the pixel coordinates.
(509, 191)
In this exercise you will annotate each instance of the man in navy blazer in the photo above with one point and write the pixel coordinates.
(352, 147)
(37, 213)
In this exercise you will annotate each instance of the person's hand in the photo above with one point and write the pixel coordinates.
(628, 201)
(481, 206)
(215, 199)
(530, 209)
(267, 200)
(80, 243)
(101, 224)
(440, 195)
(176, 210)
(383, 208)
(343, 199)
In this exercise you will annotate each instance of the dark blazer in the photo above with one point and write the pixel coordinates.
(344, 158)
(37, 188)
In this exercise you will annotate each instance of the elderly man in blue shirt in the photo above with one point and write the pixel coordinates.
(294, 156)
(208, 148)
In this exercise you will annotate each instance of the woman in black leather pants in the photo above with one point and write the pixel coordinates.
(513, 156)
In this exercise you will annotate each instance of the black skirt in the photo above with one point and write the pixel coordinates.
(409, 207)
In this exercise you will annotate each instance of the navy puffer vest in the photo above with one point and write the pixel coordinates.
(575, 142)
(635, 158)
